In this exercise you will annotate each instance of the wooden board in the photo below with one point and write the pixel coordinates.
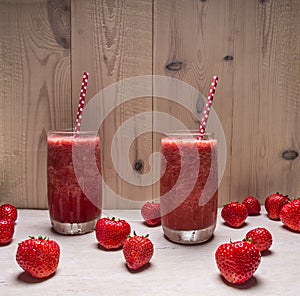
(252, 45)
(112, 40)
(34, 94)
(189, 34)
(266, 97)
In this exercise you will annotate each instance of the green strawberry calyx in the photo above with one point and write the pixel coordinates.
(134, 234)
(249, 240)
(243, 240)
(114, 219)
(294, 198)
(39, 237)
(278, 193)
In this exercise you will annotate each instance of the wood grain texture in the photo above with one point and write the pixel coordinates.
(190, 32)
(34, 91)
(113, 41)
(254, 47)
(266, 98)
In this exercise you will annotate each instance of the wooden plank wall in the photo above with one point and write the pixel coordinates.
(113, 40)
(253, 45)
(35, 86)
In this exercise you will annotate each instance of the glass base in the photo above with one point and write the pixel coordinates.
(74, 228)
(189, 237)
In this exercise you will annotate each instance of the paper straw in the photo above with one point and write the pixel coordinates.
(81, 102)
(210, 98)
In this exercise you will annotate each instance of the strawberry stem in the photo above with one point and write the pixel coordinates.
(145, 236)
(249, 240)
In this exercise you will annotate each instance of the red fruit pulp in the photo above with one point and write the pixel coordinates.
(67, 201)
(192, 203)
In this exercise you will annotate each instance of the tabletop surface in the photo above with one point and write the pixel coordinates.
(86, 269)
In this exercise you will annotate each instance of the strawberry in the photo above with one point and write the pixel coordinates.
(151, 213)
(38, 256)
(252, 204)
(137, 250)
(8, 211)
(112, 233)
(7, 229)
(234, 214)
(274, 203)
(290, 215)
(237, 261)
(260, 237)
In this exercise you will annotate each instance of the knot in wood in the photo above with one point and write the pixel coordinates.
(174, 66)
(138, 166)
(290, 154)
(228, 58)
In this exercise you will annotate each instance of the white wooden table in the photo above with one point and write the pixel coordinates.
(85, 269)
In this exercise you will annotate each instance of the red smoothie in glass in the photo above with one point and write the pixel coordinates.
(70, 203)
(189, 186)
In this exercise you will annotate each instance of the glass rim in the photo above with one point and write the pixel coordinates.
(71, 131)
(189, 132)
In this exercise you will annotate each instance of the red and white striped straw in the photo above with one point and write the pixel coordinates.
(210, 98)
(81, 102)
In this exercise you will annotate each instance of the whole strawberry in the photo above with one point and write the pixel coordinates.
(290, 215)
(38, 256)
(260, 237)
(7, 229)
(112, 233)
(237, 261)
(151, 213)
(8, 211)
(234, 214)
(274, 203)
(252, 204)
(137, 250)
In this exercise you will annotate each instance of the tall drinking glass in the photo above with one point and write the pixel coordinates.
(74, 181)
(189, 187)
